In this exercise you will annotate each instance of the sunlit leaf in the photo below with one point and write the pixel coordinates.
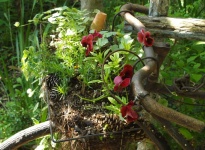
(35, 107)
(196, 77)
(35, 121)
(113, 101)
(163, 101)
(186, 133)
(180, 63)
(192, 58)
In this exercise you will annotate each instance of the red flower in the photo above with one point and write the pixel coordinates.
(123, 80)
(128, 113)
(87, 41)
(96, 35)
(145, 38)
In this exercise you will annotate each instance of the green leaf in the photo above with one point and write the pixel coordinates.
(107, 34)
(180, 63)
(163, 101)
(44, 113)
(196, 77)
(126, 42)
(35, 107)
(95, 81)
(114, 47)
(35, 121)
(186, 133)
(124, 100)
(106, 52)
(197, 65)
(113, 101)
(101, 42)
(192, 58)
(198, 46)
(115, 57)
(113, 108)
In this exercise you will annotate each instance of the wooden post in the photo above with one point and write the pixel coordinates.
(91, 5)
(158, 8)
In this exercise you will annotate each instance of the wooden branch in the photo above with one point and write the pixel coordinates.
(178, 28)
(25, 136)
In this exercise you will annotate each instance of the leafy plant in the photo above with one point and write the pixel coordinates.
(50, 43)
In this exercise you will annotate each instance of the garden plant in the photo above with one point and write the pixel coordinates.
(99, 87)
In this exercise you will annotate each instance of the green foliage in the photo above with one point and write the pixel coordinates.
(49, 42)
(68, 52)
(188, 8)
(19, 96)
(186, 133)
(185, 58)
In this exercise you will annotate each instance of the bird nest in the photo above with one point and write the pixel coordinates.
(84, 124)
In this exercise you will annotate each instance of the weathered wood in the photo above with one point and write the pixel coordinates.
(158, 8)
(178, 28)
(91, 5)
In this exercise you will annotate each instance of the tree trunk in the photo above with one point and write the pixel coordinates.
(158, 8)
(91, 5)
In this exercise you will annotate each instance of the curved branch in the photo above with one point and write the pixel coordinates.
(26, 135)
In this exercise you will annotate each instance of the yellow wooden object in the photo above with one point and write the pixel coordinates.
(99, 21)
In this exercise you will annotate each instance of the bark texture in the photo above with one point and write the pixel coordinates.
(158, 8)
(91, 5)
(178, 28)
